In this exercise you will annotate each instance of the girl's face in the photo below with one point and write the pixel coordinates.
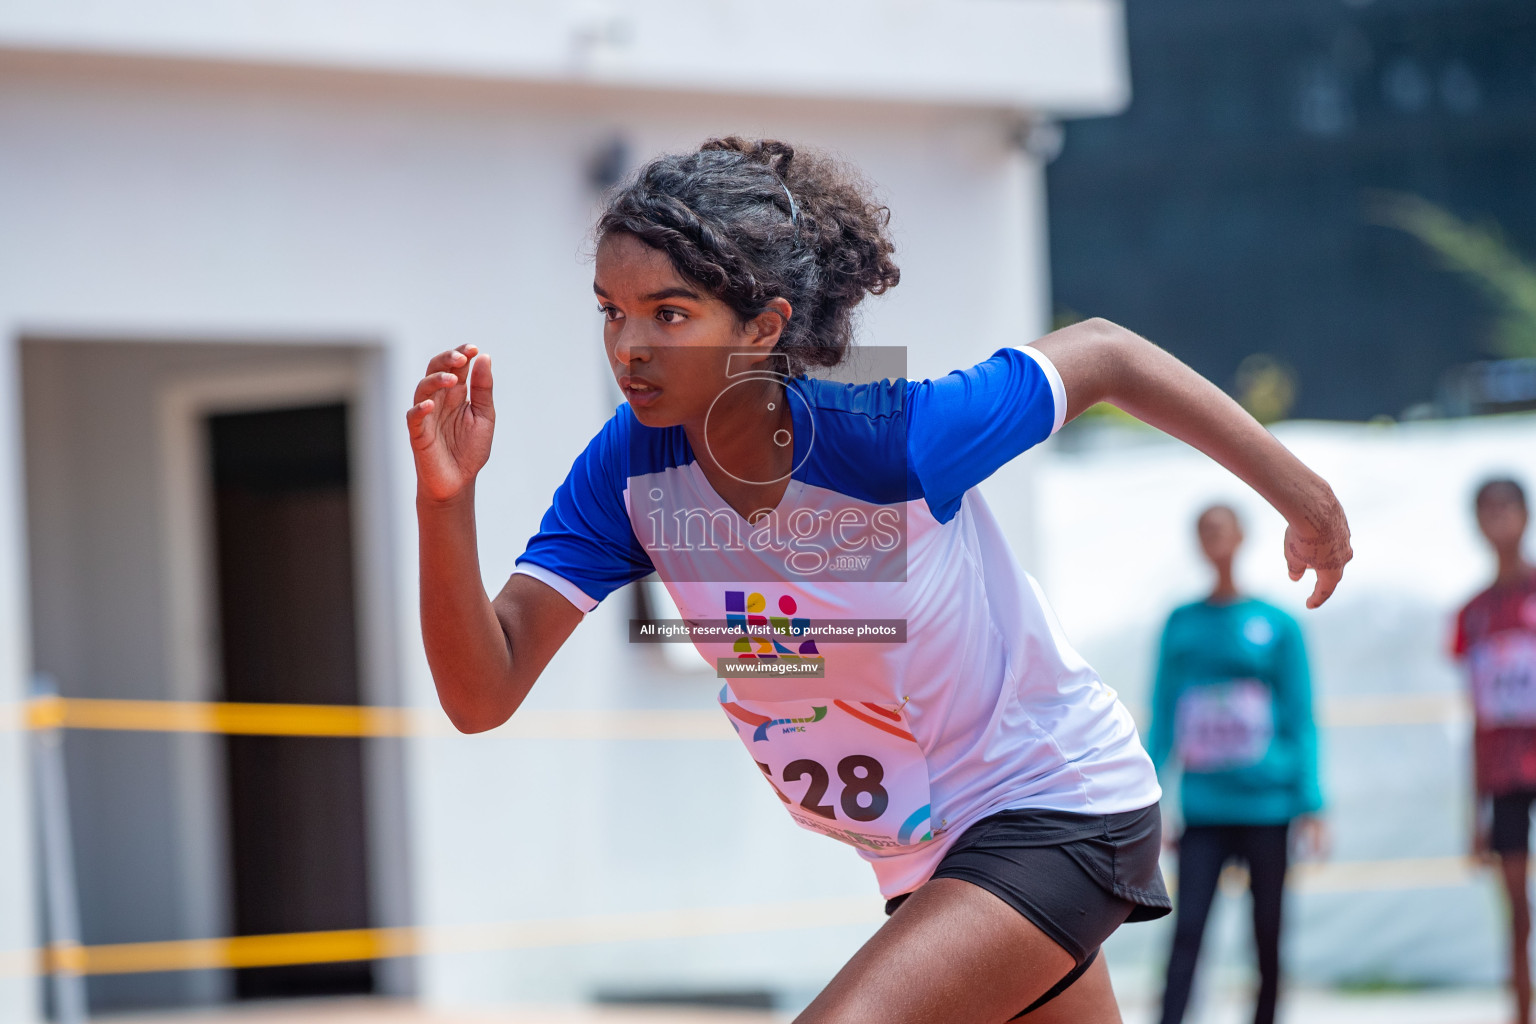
(668, 339)
(1220, 535)
(1502, 520)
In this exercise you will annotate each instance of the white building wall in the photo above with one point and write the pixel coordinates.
(165, 201)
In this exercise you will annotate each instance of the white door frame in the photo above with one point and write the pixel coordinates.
(315, 377)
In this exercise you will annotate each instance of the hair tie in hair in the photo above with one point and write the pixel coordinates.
(794, 211)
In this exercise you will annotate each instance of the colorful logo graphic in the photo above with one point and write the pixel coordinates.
(918, 819)
(762, 723)
(761, 632)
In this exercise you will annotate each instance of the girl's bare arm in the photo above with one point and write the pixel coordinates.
(485, 655)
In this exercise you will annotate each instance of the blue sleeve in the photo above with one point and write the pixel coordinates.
(1165, 699)
(965, 426)
(585, 540)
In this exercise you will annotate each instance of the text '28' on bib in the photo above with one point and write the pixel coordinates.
(1221, 726)
(848, 769)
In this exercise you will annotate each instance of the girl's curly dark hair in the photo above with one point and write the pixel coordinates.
(751, 220)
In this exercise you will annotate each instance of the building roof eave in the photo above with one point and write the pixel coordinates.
(1060, 57)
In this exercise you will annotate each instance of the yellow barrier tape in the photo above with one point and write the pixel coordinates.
(1397, 875)
(241, 951)
(1387, 875)
(232, 719)
(1381, 709)
(380, 943)
(251, 719)
(65, 958)
(248, 719)
(1395, 709)
(44, 713)
(15, 963)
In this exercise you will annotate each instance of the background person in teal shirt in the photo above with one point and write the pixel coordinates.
(1232, 708)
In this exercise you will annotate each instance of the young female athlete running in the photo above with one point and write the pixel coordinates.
(994, 782)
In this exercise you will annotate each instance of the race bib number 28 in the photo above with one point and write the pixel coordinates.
(851, 770)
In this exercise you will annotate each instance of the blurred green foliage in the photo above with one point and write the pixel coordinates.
(1477, 252)
(1266, 387)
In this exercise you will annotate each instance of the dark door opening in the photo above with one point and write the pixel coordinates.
(283, 523)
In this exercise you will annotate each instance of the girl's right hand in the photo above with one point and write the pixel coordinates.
(452, 422)
(1481, 850)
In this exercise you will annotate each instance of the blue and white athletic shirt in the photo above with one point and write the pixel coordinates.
(892, 747)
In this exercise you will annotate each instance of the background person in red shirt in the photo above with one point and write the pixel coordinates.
(1496, 639)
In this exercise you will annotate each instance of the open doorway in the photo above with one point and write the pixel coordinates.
(172, 490)
(282, 530)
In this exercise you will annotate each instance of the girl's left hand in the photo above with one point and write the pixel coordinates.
(1319, 543)
(1312, 839)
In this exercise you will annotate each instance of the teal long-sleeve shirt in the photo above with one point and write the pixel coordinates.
(1232, 708)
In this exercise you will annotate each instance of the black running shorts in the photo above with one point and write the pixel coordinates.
(1511, 831)
(1076, 877)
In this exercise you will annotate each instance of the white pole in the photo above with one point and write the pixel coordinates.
(65, 979)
